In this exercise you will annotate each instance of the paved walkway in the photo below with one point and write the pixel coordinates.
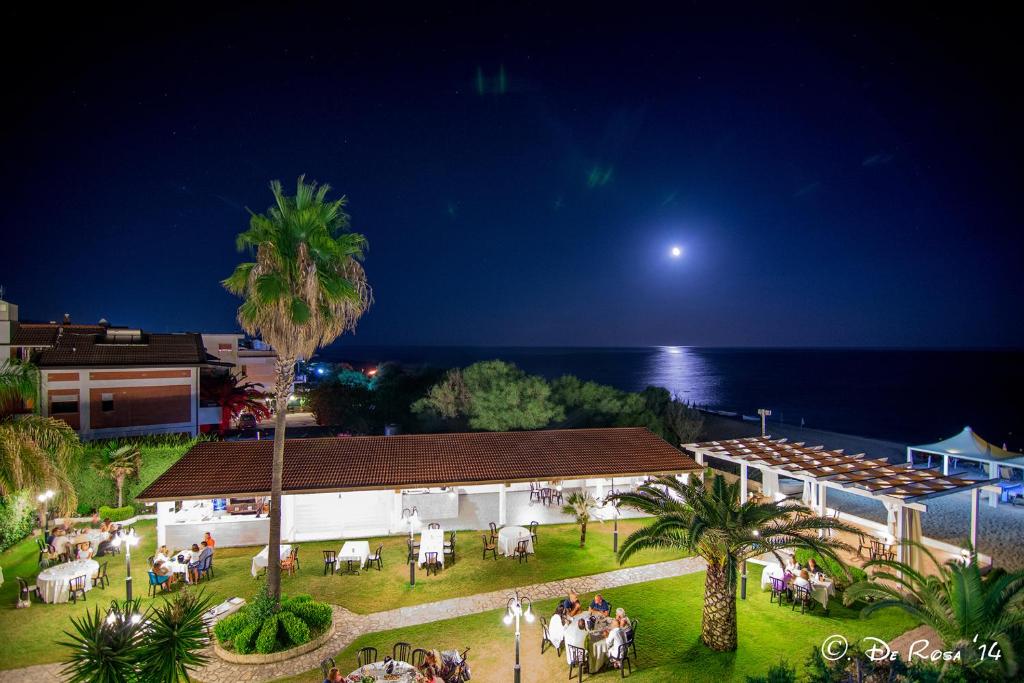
(348, 626)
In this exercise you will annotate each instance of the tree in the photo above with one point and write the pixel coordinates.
(342, 404)
(306, 288)
(35, 451)
(119, 464)
(683, 423)
(233, 396)
(967, 610)
(711, 521)
(578, 504)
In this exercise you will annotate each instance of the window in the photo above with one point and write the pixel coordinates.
(223, 347)
(64, 407)
(107, 403)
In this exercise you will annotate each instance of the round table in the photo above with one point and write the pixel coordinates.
(53, 582)
(406, 673)
(594, 641)
(509, 537)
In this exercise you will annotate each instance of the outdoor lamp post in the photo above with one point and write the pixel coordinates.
(609, 500)
(44, 502)
(412, 518)
(743, 570)
(129, 541)
(518, 606)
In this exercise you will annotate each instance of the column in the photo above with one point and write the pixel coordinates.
(743, 483)
(397, 527)
(502, 508)
(164, 512)
(822, 510)
(900, 531)
(910, 458)
(945, 465)
(974, 520)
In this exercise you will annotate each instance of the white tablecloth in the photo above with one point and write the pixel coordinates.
(821, 591)
(573, 635)
(509, 537)
(356, 551)
(432, 541)
(53, 582)
(379, 669)
(260, 560)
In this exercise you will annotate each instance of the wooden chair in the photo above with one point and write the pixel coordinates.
(489, 547)
(622, 656)
(432, 564)
(326, 665)
(449, 552)
(779, 590)
(295, 556)
(556, 495)
(26, 591)
(533, 531)
(546, 494)
(433, 525)
(579, 659)
(289, 563)
(376, 558)
(330, 559)
(101, 579)
(76, 587)
(521, 553)
(418, 656)
(631, 636)
(802, 596)
(494, 530)
(366, 655)
(401, 651)
(534, 492)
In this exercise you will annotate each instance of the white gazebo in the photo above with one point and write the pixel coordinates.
(903, 490)
(969, 446)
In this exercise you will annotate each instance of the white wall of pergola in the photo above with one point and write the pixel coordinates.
(900, 488)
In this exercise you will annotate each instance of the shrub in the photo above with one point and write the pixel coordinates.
(317, 615)
(17, 516)
(835, 570)
(777, 673)
(243, 641)
(227, 628)
(117, 514)
(266, 641)
(294, 628)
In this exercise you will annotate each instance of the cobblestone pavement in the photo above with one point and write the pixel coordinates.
(348, 626)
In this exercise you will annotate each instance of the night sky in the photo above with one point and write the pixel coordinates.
(832, 180)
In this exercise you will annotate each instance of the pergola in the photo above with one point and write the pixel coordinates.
(902, 489)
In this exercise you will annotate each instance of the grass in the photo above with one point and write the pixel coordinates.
(30, 633)
(668, 644)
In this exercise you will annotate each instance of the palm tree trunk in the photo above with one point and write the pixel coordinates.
(583, 533)
(285, 371)
(718, 627)
(120, 489)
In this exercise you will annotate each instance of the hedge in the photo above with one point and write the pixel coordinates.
(243, 640)
(317, 614)
(294, 628)
(258, 628)
(17, 517)
(266, 641)
(230, 626)
(117, 514)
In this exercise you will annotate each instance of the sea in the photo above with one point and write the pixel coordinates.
(909, 396)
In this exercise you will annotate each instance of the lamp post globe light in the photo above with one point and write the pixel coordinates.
(518, 607)
(44, 499)
(129, 540)
(412, 519)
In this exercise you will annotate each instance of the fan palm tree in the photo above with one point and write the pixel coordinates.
(709, 520)
(119, 464)
(305, 289)
(966, 609)
(578, 504)
(35, 451)
(234, 397)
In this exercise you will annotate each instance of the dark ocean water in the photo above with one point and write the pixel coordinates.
(909, 396)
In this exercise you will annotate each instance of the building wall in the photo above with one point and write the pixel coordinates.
(257, 367)
(123, 402)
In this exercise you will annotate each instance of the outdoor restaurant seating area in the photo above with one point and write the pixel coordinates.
(405, 664)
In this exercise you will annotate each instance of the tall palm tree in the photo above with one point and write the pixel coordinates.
(35, 451)
(578, 505)
(119, 464)
(967, 610)
(304, 290)
(709, 520)
(234, 397)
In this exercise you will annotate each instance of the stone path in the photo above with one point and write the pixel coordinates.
(348, 626)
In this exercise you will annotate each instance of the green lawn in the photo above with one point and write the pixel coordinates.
(30, 633)
(667, 639)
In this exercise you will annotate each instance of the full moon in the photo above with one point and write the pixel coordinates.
(676, 252)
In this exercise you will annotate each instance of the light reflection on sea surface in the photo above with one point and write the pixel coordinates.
(685, 373)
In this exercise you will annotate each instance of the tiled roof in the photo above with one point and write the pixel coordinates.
(90, 350)
(217, 469)
(45, 334)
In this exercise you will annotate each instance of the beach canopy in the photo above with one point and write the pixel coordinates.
(969, 446)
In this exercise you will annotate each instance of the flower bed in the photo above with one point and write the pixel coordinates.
(298, 626)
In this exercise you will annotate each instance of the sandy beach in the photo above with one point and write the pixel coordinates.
(1000, 529)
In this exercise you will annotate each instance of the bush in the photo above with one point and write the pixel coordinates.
(243, 641)
(94, 490)
(294, 628)
(778, 673)
(17, 517)
(227, 628)
(266, 641)
(835, 570)
(117, 514)
(317, 615)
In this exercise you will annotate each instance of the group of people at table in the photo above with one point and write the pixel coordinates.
(797, 581)
(433, 669)
(572, 625)
(167, 565)
(59, 538)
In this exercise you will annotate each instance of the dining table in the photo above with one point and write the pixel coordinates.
(509, 537)
(822, 587)
(53, 581)
(431, 541)
(401, 672)
(260, 560)
(593, 639)
(353, 551)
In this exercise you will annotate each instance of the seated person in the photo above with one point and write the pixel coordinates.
(50, 535)
(193, 563)
(84, 551)
(571, 605)
(162, 555)
(802, 580)
(208, 539)
(812, 567)
(105, 525)
(792, 566)
(428, 674)
(105, 547)
(334, 676)
(576, 635)
(615, 636)
(431, 660)
(599, 606)
(163, 573)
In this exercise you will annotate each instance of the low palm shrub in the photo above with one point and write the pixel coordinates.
(261, 628)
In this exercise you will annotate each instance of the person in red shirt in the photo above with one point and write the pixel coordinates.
(210, 543)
